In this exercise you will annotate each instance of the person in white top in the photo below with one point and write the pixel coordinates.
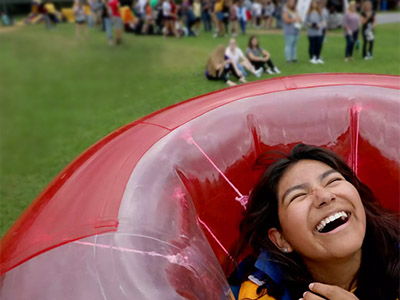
(269, 9)
(142, 8)
(237, 57)
(169, 23)
(256, 12)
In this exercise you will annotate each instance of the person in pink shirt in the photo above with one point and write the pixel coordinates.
(351, 25)
(116, 20)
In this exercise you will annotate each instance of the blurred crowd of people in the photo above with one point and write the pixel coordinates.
(222, 64)
(168, 18)
(190, 17)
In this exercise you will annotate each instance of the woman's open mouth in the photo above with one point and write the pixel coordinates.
(333, 221)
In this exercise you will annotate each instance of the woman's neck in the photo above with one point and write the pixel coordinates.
(340, 272)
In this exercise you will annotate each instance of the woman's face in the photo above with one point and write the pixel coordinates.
(232, 44)
(321, 214)
(291, 4)
(352, 7)
(314, 4)
(254, 42)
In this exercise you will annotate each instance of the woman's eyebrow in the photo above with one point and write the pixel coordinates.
(302, 186)
(326, 174)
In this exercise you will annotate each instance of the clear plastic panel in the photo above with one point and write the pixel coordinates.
(176, 204)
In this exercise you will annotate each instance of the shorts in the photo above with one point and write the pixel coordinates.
(167, 18)
(117, 23)
(220, 15)
(80, 21)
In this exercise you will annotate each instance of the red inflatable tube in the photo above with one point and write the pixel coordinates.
(144, 213)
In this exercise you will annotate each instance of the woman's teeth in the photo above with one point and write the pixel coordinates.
(320, 227)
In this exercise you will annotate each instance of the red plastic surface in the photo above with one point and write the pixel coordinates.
(84, 199)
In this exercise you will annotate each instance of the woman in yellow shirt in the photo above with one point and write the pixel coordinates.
(219, 17)
(317, 232)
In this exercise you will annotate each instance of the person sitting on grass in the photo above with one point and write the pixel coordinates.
(259, 57)
(316, 232)
(235, 54)
(219, 67)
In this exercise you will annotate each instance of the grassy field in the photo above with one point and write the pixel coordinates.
(59, 96)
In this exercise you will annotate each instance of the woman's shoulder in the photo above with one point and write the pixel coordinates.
(248, 290)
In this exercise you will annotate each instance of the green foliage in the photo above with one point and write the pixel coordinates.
(59, 96)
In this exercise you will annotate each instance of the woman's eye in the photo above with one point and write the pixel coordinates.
(334, 180)
(297, 196)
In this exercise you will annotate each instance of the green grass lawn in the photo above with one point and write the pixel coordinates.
(59, 96)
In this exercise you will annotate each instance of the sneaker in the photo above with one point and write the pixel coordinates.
(277, 71)
(320, 61)
(313, 60)
(259, 72)
(269, 71)
(230, 83)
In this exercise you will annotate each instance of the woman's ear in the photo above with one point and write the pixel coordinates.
(279, 240)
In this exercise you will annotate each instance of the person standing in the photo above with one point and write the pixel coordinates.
(256, 12)
(314, 23)
(94, 12)
(242, 16)
(278, 14)
(269, 10)
(169, 22)
(368, 23)
(325, 17)
(116, 20)
(197, 15)
(206, 15)
(291, 30)
(80, 19)
(226, 9)
(219, 14)
(106, 19)
(351, 25)
(234, 18)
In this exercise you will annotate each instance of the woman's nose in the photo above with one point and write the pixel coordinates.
(323, 197)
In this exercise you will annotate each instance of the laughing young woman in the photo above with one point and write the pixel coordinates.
(317, 232)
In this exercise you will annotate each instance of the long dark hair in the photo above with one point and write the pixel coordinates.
(378, 276)
(250, 40)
